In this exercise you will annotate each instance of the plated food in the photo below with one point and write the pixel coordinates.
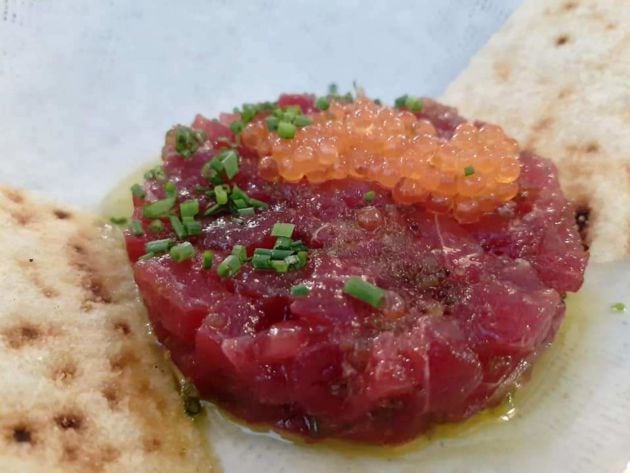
(337, 267)
(84, 386)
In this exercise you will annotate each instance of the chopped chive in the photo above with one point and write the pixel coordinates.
(283, 243)
(300, 290)
(303, 257)
(280, 266)
(400, 101)
(414, 104)
(258, 204)
(322, 103)
(286, 130)
(156, 173)
(213, 209)
(177, 225)
(182, 251)
(280, 254)
(138, 191)
(240, 251)
(246, 212)
(193, 227)
(156, 226)
(159, 208)
(261, 261)
(302, 121)
(282, 230)
(221, 195)
(170, 189)
(369, 196)
(229, 266)
(187, 140)
(263, 251)
(230, 163)
(239, 203)
(469, 171)
(146, 256)
(237, 126)
(248, 113)
(190, 208)
(364, 291)
(292, 261)
(618, 307)
(207, 258)
(136, 228)
(272, 123)
(158, 246)
(118, 220)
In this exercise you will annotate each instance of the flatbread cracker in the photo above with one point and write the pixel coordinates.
(557, 77)
(84, 387)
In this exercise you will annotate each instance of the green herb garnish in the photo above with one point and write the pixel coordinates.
(364, 291)
(187, 140)
(136, 228)
(469, 171)
(282, 230)
(207, 258)
(369, 196)
(182, 251)
(618, 307)
(300, 290)
(138, 191)
(119, 220)
(158, 246)
(230, 266)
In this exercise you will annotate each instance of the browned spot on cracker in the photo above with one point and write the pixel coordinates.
(543, 124)
(562, 40)
(110, 393)
(21, 335)
(22, 433)
(108, 454)
(122, 327)
(13, 195)
(582, 215)
(592, 147)
(570, 6)
(62, 214)
(564, 93)
(69, 421)
(123, 360)
(611, 26)
(70, 453)
(151, 444)
(65, 373)
(31, 270)
(91, 281)
(502, 70)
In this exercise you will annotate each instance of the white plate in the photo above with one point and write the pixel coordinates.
(88, 88)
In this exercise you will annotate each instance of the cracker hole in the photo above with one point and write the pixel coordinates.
(70, 453)
(582, 216)
(62, 214)
(65, 373)
(122, 361)
(108, 454)
(122, 327)
(22, 434)
(592, 147)
(570, 6)
(562, 40)
(110, 394)
(69, 421)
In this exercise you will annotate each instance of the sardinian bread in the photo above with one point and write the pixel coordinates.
(84, 388)
(557, 77)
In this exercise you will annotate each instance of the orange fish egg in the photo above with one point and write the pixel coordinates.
(472, 173)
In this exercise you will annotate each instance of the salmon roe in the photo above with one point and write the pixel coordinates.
(472, 173)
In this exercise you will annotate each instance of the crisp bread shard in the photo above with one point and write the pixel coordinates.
(557, 77)
(83, 387)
